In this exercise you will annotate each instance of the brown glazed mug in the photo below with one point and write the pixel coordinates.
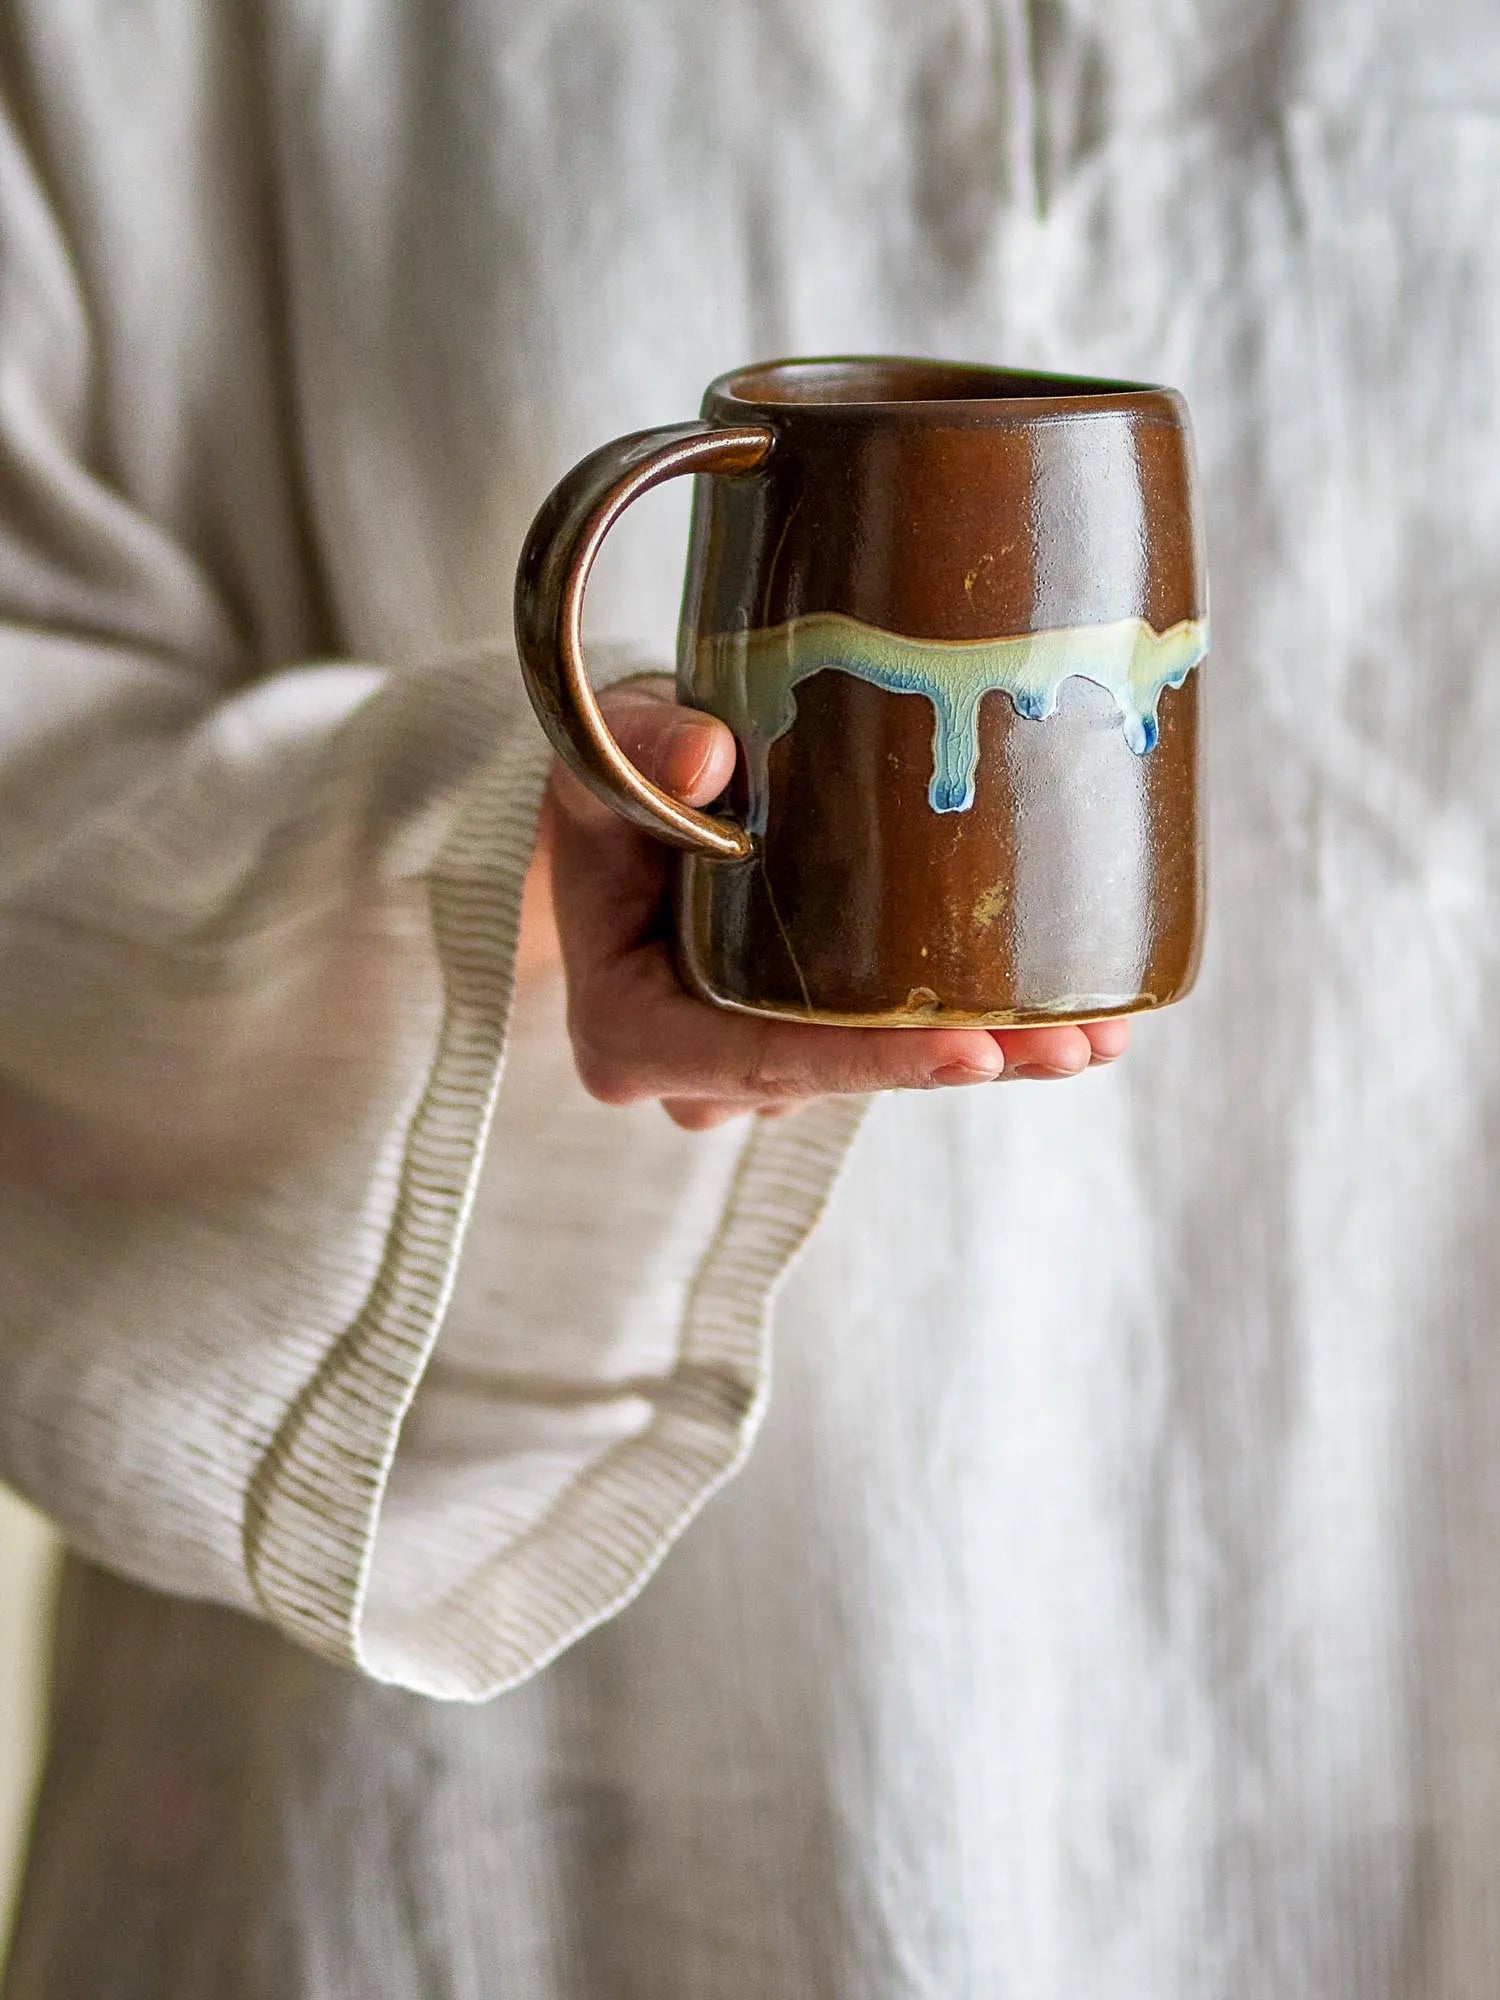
(951, 614)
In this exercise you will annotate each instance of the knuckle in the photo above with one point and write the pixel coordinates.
(601, 1072)
(638, 717)
(761, 1076)
(650, 684)
(693, 1117)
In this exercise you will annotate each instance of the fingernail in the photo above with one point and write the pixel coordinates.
(1041, 1072)
(687, 743)
(962, 1072)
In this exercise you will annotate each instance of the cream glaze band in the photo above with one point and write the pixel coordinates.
(749, 679)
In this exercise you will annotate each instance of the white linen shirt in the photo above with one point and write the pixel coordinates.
(1108, 1606)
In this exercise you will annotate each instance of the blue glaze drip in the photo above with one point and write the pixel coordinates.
(750, 679)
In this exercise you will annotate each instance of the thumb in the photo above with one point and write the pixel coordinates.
(609, 879)
(689, 754)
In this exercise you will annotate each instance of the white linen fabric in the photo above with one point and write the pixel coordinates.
(1108, 1605)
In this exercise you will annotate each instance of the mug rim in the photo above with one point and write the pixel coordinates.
(972, 390)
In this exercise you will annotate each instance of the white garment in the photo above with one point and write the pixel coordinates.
(1109, 1605)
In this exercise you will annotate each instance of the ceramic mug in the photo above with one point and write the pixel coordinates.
(952, 615)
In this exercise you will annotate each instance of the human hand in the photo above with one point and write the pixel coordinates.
(637, 1033)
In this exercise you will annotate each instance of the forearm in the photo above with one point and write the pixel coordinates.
(205, 972)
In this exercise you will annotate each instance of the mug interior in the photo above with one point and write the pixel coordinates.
(866, 381)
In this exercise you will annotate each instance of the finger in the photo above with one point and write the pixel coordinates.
(703, 1114)
(1065, 1050)
(1040, 1057)
(637, 1034)
(609, 878)
(1108, 1039)
(689, 754)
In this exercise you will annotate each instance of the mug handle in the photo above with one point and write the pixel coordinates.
(551, 578)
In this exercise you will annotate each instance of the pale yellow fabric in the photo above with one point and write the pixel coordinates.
(1108, 1606)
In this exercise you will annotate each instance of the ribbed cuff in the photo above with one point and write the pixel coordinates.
(313, 1510)
(313, 1504)
(613, 1524)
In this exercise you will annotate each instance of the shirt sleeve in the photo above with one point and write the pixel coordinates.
(259, 905)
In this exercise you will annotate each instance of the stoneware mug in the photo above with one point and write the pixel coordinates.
(951, 614)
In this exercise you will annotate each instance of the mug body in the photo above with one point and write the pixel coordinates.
(954, 621)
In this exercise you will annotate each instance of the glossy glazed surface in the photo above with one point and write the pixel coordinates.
(952, 618)
(751, 678)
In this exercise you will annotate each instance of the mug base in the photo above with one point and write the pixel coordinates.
(929, 1012)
